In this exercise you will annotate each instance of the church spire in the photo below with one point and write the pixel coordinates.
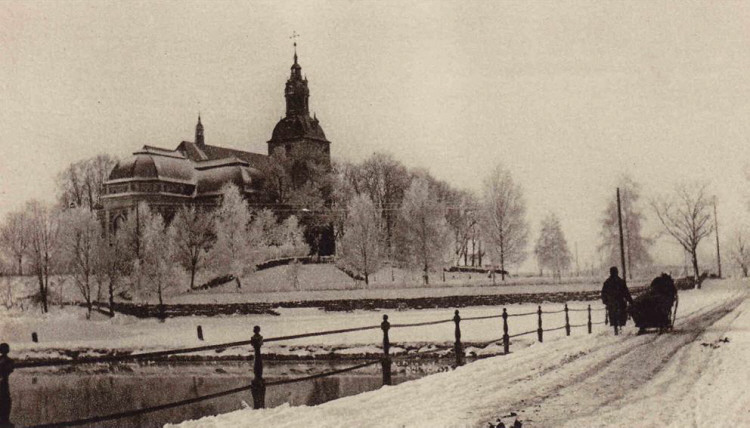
(296, 91)
(199, 141)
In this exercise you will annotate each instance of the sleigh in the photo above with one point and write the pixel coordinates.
(657, 307)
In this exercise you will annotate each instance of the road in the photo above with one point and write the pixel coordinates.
(641, 381)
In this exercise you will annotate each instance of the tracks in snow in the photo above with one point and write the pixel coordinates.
(593, 384)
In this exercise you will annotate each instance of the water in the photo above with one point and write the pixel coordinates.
(64, 395)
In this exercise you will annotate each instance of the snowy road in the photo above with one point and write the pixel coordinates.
(690, 377)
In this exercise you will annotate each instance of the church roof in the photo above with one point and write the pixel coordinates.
(207, 152)
(297, 127)
(207, 168)
(154, 163)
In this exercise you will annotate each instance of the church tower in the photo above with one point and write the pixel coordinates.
(199, 141)
(297, 131)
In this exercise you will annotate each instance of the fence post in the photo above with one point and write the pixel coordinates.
(458, 349)
(6, 368)
(506, 338)
(589, 319)
(258, 385)
(539, 331)
(200, 333)
(386, 361)
(567, 321)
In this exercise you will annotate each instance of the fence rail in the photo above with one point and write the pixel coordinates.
(258, 385)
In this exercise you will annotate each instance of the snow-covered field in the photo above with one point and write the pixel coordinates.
(695, 376)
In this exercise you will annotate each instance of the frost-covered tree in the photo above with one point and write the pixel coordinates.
(14, 237)
(686, 216)
(81, 183)
(423, 232)
(290, 238)
(112, 263)
(504, 218)
(635, 243)
(44, 222)
(192, 233)
(158, 252)
(231, 251)
(131, 232)
(551, 248)
(262, 232)
(740, 250)
(80, 235)
(361, 244)
(462, 217)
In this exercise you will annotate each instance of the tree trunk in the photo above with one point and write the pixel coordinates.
(744, 271)
(192, 275)
(111, 298)
(161, 305)
(42, 295)
(88, 308)
(20, 265)
(502, 261)
(694, 255)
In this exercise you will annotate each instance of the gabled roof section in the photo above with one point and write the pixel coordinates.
(206, 153)
(219, 163)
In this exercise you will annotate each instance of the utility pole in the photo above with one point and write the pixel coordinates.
(622, 240)
(716, 230)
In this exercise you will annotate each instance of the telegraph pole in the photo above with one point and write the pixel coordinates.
(716, 230)
(622, 240)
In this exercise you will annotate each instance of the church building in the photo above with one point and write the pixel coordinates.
(194, 172)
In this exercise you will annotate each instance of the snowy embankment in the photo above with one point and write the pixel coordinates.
(66, 331)
(694, 376)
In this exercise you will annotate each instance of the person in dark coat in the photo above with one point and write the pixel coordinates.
(616, 296)
(6, 368)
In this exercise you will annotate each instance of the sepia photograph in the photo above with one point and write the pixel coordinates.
(360, 213)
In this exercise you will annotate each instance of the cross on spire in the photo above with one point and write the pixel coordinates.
(294, 37)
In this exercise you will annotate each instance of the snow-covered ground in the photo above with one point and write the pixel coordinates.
(695, 376)
(67, 329)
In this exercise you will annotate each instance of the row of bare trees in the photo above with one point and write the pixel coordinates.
(385, 211)
(145, 255)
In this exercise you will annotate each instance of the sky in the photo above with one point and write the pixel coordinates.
(568, 95)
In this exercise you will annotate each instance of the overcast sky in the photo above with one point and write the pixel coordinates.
(568, 95)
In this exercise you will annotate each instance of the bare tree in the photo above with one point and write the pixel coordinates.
(112, 262)
(686, 216)
(14, 237)
(82, 182)
(504, 218)
(131, 235)
(43, 244)
(262, 229)
(551, 247)
(80, 236)
(462, 217)
(636, 245)
(230, 253)
(158, 258)
(423, 232)
(740, 250)
(384, 180)
(361, 244)
(192, 232)
(290, 237)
